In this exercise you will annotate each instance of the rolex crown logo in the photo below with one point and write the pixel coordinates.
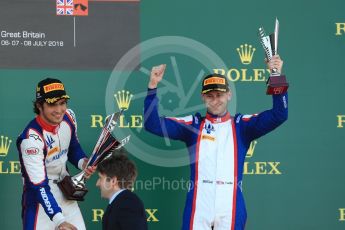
(250, 151)
(4, 145)
(246, 53)
(123, 99)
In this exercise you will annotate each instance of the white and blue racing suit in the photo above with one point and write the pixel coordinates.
(43, 152)
(217, 147)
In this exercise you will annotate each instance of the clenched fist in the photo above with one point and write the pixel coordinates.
(157, 73)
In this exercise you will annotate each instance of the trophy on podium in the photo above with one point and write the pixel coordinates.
(276, 83)
(74, 188)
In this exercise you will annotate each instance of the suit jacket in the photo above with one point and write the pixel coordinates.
(126, 212)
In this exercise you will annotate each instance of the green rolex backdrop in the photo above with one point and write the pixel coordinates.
(293, 176)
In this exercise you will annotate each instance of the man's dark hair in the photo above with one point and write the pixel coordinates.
(118, 165)
(35, 104)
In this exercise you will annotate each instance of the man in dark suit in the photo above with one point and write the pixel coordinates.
(125, 210)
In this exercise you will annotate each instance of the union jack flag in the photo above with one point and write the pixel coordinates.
(64, 7)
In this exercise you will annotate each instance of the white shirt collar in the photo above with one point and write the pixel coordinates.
(115, 195)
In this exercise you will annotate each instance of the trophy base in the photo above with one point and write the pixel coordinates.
(70, 190)
(277, 85)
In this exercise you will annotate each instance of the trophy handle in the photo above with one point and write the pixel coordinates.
(74, 188)
(276, 33)
(80, 177)
(109, 126)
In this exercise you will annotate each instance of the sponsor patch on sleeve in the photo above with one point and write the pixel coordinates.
(184, 120)
(248, 117)
(31, 151)
(35, 137)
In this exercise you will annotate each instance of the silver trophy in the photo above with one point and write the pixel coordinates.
(74, 188)
(277, 83)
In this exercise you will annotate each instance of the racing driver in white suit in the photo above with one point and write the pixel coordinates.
(44, 146)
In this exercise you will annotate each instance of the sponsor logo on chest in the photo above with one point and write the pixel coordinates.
(49, 141)
(209, 135)
(55, 157)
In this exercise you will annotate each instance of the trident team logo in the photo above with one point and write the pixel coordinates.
(209, 128)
